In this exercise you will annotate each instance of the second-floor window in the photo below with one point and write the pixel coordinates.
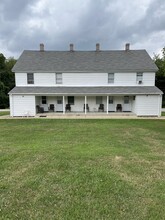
(110, 78)
(30, 78)
(58, 78)
(139, 78)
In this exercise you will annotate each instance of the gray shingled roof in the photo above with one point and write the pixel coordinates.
(115, 90)
(85, 61)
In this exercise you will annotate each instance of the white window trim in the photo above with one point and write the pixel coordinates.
(58, 78)
(111, 78)
(30, 78)
(111, 100)
(126, 99)
(139, 78)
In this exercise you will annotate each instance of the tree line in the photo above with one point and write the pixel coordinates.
(160, 74)
(7, 79)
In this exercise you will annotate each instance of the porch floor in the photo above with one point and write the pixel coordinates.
(87, 115)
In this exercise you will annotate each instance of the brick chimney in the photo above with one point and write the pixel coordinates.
(71, 47)
(127, 47)
(42, 47)
(97, 47)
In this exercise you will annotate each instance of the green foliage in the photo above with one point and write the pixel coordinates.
(160, 74)
(160, 62)
(6, 79)
(2, 61)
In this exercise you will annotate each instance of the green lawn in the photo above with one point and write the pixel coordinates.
(82, 169)
(163, 113)
(4, 113)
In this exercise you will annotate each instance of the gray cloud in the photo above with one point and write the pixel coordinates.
(26, 23)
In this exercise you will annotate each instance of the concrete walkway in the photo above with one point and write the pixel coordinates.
(115, 115)
(4, 110)
(84, 117)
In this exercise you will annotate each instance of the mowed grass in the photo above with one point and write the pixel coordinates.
(4, 113)
(82, 169)
(163, 113)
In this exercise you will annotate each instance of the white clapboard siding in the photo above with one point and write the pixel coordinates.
(125, 79)
(44, 79)
(148, 79)
(23, 105)
(85, 79)
(21, 79)
(148, 105)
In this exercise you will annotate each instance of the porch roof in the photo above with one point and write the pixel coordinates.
(106, 90)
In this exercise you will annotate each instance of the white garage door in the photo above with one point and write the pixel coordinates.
(23, 105)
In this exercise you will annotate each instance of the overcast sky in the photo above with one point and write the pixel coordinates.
(24, 24)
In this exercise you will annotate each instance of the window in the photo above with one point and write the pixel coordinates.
(58, 78)
(98, 100)
(139, 78)
(126, 99)
(110, 78)
(71, 100)
(30, 78)
(110, 99)
(59, 100)
(44, 101)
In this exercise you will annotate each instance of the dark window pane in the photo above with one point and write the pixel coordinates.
(30, 78)
(58, 78)
(98, 99)
(71, 100)
(110, 99)
(44, 101)
(126, 99)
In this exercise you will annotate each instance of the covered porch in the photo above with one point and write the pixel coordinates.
(84, 104)
(140, 100)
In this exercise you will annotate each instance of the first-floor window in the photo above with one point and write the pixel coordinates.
(44, 101)
(71, 100)
(98, 100)
(30, 78)
(110, 99)
(126, 99)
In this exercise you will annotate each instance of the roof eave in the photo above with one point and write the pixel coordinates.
(87, 71)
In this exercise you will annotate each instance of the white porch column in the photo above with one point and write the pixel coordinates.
(107, 103)
(85, 104)
(63, 104)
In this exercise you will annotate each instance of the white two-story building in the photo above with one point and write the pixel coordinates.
(85, 81)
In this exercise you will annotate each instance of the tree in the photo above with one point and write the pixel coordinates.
(160, 62)
(160, 74)
(6, 79)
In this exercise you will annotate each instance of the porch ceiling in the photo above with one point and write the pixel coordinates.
(106, 90)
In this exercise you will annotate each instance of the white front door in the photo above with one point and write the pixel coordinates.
(111, 104)
(127, 104)
(59, 106)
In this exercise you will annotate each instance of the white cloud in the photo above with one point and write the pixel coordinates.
(26, 23)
